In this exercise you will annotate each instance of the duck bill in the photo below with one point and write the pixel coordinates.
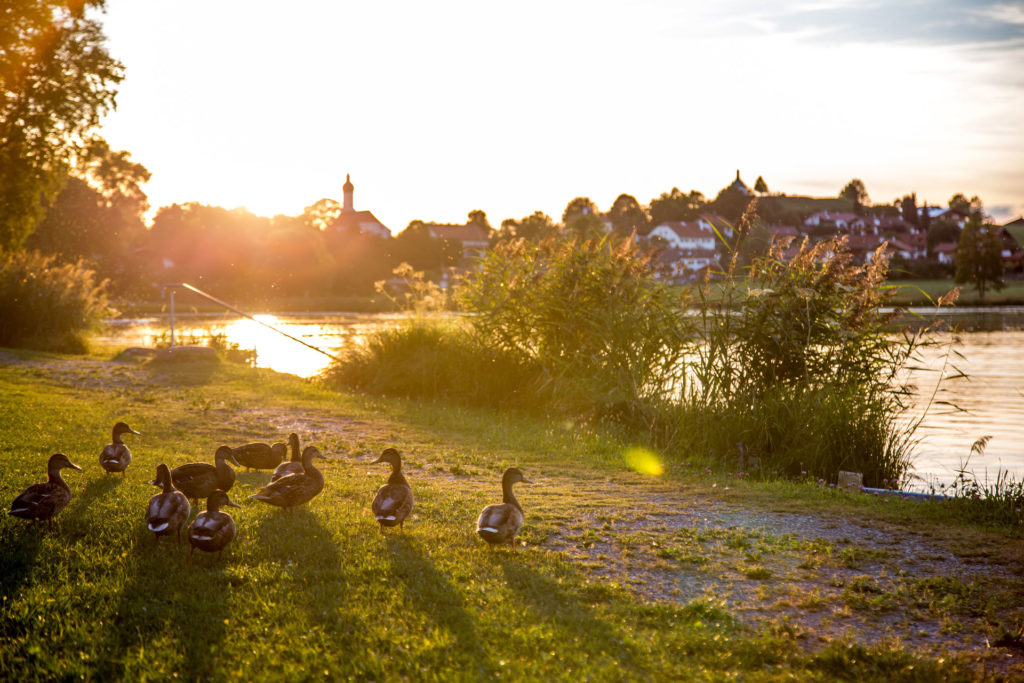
(378, 461)
(134, 432)
(231, 459)
(526, 481)
(74, 466)
(233, 504)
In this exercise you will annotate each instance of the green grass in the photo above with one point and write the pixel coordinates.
(322, 594)
(918, 293)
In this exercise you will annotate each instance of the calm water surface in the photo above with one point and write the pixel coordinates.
(989, 401)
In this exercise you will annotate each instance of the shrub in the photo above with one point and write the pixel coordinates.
(603, 333)
(47, 306)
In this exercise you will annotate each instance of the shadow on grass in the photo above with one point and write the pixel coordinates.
(433, 594)
(165, 599)
(21, 541)
(309, 556)
(567, 611)
(182, 372)
(251, 479)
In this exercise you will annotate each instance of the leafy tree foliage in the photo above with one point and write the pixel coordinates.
(627, 216)
(855, 192)
(56, 82)
(676, 206)
(418, 248)
(979, 257)
(908, 209)
(959, 202)
(535, 227)
(761, 186)
(321, 214)
(479, 218)
(730, 204)
(576, 209)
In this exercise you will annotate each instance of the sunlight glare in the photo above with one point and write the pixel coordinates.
(644, 461)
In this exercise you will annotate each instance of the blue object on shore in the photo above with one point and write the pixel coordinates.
(910, 495)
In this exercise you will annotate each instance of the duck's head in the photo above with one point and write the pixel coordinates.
(310, 452)
(293, 440)
(123, 428)
(225, 453)
(163, 475)
(59, 461)
(514, 475)
(219, 499)
(390, 456)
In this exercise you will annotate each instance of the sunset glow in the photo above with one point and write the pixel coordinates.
(438, 109)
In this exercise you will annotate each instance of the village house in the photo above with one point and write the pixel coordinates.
(472, 239)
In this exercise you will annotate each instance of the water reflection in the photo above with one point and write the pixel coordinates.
(331, 333)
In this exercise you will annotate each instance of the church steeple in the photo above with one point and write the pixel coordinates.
(347, 188)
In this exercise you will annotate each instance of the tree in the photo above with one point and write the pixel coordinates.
(760, 186)
(321, 214)
(56, 82)
(908, 209)
(959, 202)
(855, 192)
(676, 206)
(535, 227)
(576, 209)
(479, 218)
(627, 216)
(979, 258)
(730, 203)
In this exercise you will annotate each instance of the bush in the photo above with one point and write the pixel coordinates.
(589, 315)
(47, 306)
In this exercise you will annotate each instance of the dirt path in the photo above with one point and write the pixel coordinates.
(815, 576)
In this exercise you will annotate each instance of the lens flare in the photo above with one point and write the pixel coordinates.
(644, 461)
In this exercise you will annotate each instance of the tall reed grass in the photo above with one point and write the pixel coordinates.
(788, 364)
(48, 306)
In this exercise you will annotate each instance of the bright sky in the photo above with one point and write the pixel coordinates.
(438, 108)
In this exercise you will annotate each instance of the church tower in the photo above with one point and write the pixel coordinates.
(347, 188)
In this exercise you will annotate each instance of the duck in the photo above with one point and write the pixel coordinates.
(293, 490)
(264, 456)
(43, 501)
(115, 456)
(199, 479)
(394, 500)
(167, 512)
(211, 531)
(294, 466)
(499, 524)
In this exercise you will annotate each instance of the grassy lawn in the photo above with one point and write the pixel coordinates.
(912, 292)
(695, 574)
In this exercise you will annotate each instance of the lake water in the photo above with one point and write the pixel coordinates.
(989, 401)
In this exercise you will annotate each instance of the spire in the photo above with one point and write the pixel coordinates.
(348, 189)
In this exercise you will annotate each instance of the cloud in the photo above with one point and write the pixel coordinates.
(931, 22)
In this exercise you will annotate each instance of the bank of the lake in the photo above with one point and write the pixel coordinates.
(988, 401)
(694, 574)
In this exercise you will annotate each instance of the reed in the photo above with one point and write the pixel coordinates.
(46, 305)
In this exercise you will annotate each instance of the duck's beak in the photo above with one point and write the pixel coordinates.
(232, 459)
(525, 480)
(134, 432)
(233, 504)
(378, 460)
(74, 466)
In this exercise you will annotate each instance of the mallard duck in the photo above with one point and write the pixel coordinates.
(294, 466)
(199, 479)
(115, 456)
(501, 523)
(295, 489)
(43, 501)
(264, 456)
(211, 531)
(393, 501)
(168, 511)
